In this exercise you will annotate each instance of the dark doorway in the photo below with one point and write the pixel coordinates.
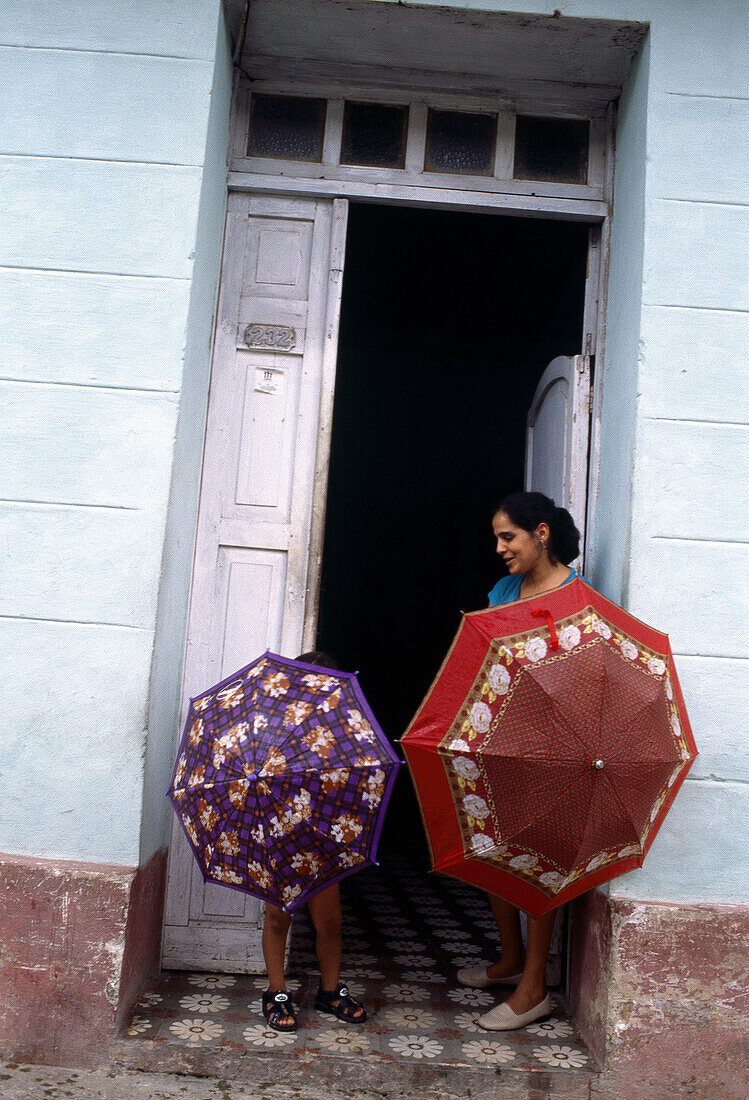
(448, 322)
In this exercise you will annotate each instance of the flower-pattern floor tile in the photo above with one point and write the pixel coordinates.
(405, 934)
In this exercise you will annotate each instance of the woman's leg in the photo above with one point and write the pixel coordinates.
(275, 931)
(508, 924)
(531, 988)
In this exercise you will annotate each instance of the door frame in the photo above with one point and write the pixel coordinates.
(428, 194)
(592, 346)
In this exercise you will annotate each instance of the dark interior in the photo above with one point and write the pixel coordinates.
(448, 321)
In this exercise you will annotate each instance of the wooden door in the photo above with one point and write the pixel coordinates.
(556, 447)
(556, 463)
(266, 451)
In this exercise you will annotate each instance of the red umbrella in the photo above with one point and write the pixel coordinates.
(549, 748)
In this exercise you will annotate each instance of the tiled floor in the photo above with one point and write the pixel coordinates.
(405, 934)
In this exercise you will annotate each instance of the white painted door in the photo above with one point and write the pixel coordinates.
(556, 447)
(266, 452)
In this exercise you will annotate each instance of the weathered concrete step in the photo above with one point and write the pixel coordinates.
(357, 1077)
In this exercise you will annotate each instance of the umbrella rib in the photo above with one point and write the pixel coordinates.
(626, 814)
(629, 724)
(359, 769)
(237, 812)
(564, 721)
(320, 701)
(557, 711)
(482, 753)
(326, 836)
(509, 836)
(228, 820)
(561, 794)
(576, 737)
(315, 769)
(645, 706)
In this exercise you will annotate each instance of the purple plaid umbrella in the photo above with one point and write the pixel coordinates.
(282, 780)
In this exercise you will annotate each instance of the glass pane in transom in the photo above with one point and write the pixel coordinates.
(460, 142)
(553, 149)
(374, 134)
(286, 127)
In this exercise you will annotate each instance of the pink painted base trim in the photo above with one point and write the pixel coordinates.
(142, 958)
(660, 994)
(72, 935)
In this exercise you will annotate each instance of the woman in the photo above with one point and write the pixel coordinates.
(536, 540)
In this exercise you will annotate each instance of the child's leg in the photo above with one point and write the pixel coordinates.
(275, 931)
(325, 910)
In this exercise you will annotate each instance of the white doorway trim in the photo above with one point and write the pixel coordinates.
(435, 198)
(276, 184)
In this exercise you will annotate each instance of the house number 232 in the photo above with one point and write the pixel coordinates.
(277, 337)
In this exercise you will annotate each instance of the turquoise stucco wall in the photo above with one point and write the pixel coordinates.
(112, 156)
(688, 553)
(112, 143)
(166, 669)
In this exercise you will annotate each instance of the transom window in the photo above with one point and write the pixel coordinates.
(551, 149)
(369, 136)
(374, 134)
(460, 142)
(286, 127)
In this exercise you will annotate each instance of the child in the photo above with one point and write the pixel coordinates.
(325, 910)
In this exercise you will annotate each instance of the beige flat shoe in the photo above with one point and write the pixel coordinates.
(502, 1018)
(476, 977)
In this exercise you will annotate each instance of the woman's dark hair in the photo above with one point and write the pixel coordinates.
(527, 510)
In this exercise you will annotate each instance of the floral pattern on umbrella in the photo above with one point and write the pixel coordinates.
(561, 752)
(282, 780)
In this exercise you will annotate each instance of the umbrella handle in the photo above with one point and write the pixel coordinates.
(550, 624)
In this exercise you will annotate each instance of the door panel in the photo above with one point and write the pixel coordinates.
(266, 447)
(212, 900)
(556, 448)
(281, 283)
(251, 588)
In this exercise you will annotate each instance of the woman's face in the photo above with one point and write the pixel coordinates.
(520, 550)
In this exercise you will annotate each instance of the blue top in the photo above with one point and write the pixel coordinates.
(507, 590)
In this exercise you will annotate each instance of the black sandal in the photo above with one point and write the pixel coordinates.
(275, 1007)
(346, 1007)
